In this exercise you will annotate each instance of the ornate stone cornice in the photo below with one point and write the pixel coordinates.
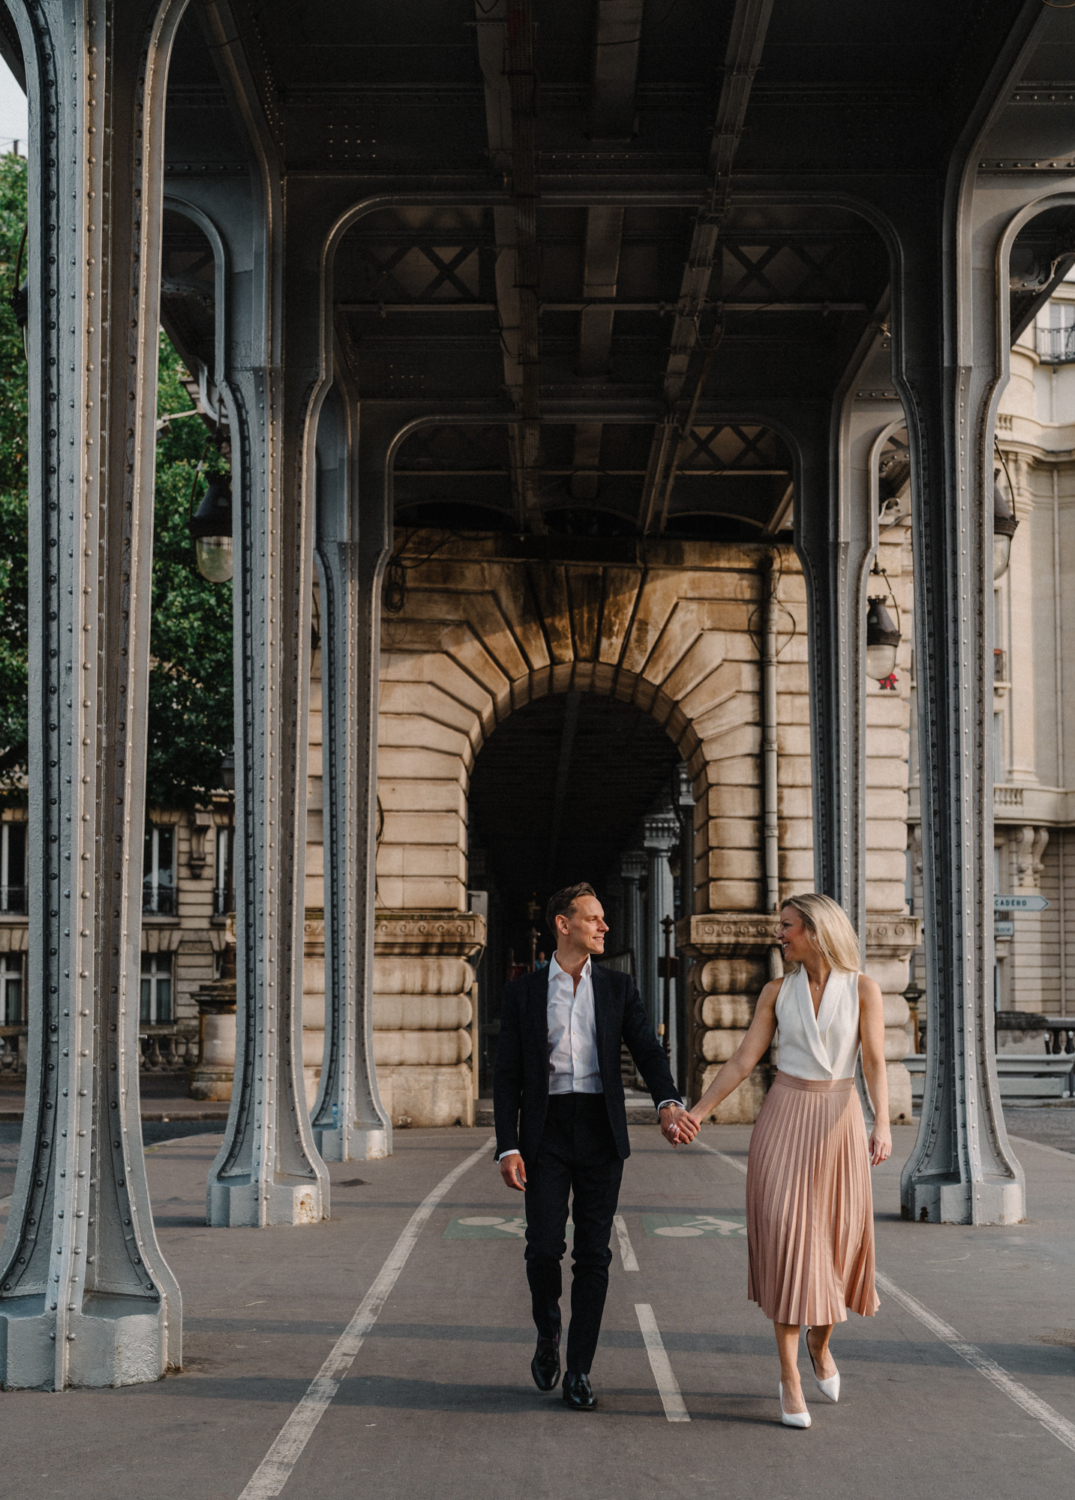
(893, 933)
(419, 933)
(726, 932)
(741, 932)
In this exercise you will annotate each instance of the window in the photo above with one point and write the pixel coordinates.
(10, 989)
(999, 758)
(1056, 336)
(156, 1007)
(223, 901)
(158, 872)
(13, 868)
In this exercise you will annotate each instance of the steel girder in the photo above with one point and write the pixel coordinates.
(350, 1123)
(268, 1170)
(85, 1295)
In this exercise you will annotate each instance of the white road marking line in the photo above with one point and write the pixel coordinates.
(1021, 1140)
(667, 1385)
(1033, 1405)
(627, 1254)
(738, 1165)
(275, 1468)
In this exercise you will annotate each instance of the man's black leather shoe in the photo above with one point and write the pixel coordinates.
(545, 1365)
(577, 1392)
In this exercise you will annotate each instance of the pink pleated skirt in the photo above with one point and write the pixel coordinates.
(810, 1205)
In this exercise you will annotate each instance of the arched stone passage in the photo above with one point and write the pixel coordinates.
(482, 633)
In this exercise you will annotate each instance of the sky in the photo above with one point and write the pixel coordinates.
(13, 125)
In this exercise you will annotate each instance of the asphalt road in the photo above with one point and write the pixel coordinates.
(438, 1402)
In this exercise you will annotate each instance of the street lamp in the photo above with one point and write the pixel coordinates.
(1004, 519)
(210, 528)
(882, 639)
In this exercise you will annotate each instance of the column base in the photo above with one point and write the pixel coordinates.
(367, 1143)
(929, 1202)
(113, 1341)
(233, 1204)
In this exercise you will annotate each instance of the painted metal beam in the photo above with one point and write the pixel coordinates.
(612, 112)
(268, 1170)
(750, 22)
(353, 537)
(86, 1298)
(505, 34)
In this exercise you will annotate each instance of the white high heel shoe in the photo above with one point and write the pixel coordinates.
(792, 1418)
(830, 1387)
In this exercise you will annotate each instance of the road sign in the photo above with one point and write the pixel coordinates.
(1019, 903)
(1004, 929)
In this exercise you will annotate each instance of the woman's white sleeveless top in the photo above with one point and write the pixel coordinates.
(821, 1046)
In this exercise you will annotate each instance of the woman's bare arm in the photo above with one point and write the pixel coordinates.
(872, 1034)
(749, 1053)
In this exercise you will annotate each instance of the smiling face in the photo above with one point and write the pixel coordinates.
(583, 928)
(796, 939)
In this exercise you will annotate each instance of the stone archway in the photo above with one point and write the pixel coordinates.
(479, 634)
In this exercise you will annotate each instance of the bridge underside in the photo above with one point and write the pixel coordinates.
(586, 281)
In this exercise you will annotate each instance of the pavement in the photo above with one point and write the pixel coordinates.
(962, 1386)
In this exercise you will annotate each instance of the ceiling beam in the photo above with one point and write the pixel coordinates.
(612, 118)
(505, 31)
(750, 22)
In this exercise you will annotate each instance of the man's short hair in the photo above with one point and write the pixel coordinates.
(563, 903)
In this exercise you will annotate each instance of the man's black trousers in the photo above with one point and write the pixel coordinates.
(577, 1155)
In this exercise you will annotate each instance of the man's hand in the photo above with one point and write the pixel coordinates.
(677, 1125)
(513, 1171)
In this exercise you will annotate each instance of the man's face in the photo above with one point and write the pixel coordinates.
(584, 927)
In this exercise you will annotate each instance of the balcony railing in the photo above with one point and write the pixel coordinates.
(164, 1049)
(1056, 346)
(158, 900)
(13, 900)
(12, 1051)
(168, 1049)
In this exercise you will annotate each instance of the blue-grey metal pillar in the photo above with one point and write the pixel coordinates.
(85, 1295)
(268, 1170)
(353, 534)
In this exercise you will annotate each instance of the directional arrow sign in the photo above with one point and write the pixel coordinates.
(1019, 903)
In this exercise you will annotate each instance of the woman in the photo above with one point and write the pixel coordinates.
(809, 1205)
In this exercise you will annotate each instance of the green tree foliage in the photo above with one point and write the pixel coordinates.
(191, 727)
(190, 684)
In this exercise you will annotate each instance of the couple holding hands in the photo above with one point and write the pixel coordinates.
(561, 1132)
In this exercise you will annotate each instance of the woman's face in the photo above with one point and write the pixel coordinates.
(795, 938)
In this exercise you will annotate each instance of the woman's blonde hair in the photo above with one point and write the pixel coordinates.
(831, 929)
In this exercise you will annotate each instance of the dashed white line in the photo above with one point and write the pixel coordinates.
(627, 1252)
(275, 1468)
(1021, 1140)
(739, 1166)
(667, 1385)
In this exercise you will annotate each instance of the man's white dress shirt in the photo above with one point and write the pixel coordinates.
(573, 1065)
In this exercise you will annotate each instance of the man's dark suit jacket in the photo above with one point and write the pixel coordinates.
(521, 1077)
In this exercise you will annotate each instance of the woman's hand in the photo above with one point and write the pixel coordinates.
(880, 1144)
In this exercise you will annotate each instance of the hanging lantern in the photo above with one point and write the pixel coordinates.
(1004, 523)
(882, 640)
(210, 528)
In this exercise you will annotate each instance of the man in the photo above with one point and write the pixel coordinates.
(561, 1125)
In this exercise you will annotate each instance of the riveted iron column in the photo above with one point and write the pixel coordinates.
(962, 1169)
(268, 1170)
(353, 533)
(85, 1295)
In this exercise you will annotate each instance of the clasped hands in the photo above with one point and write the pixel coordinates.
(677, 1125)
